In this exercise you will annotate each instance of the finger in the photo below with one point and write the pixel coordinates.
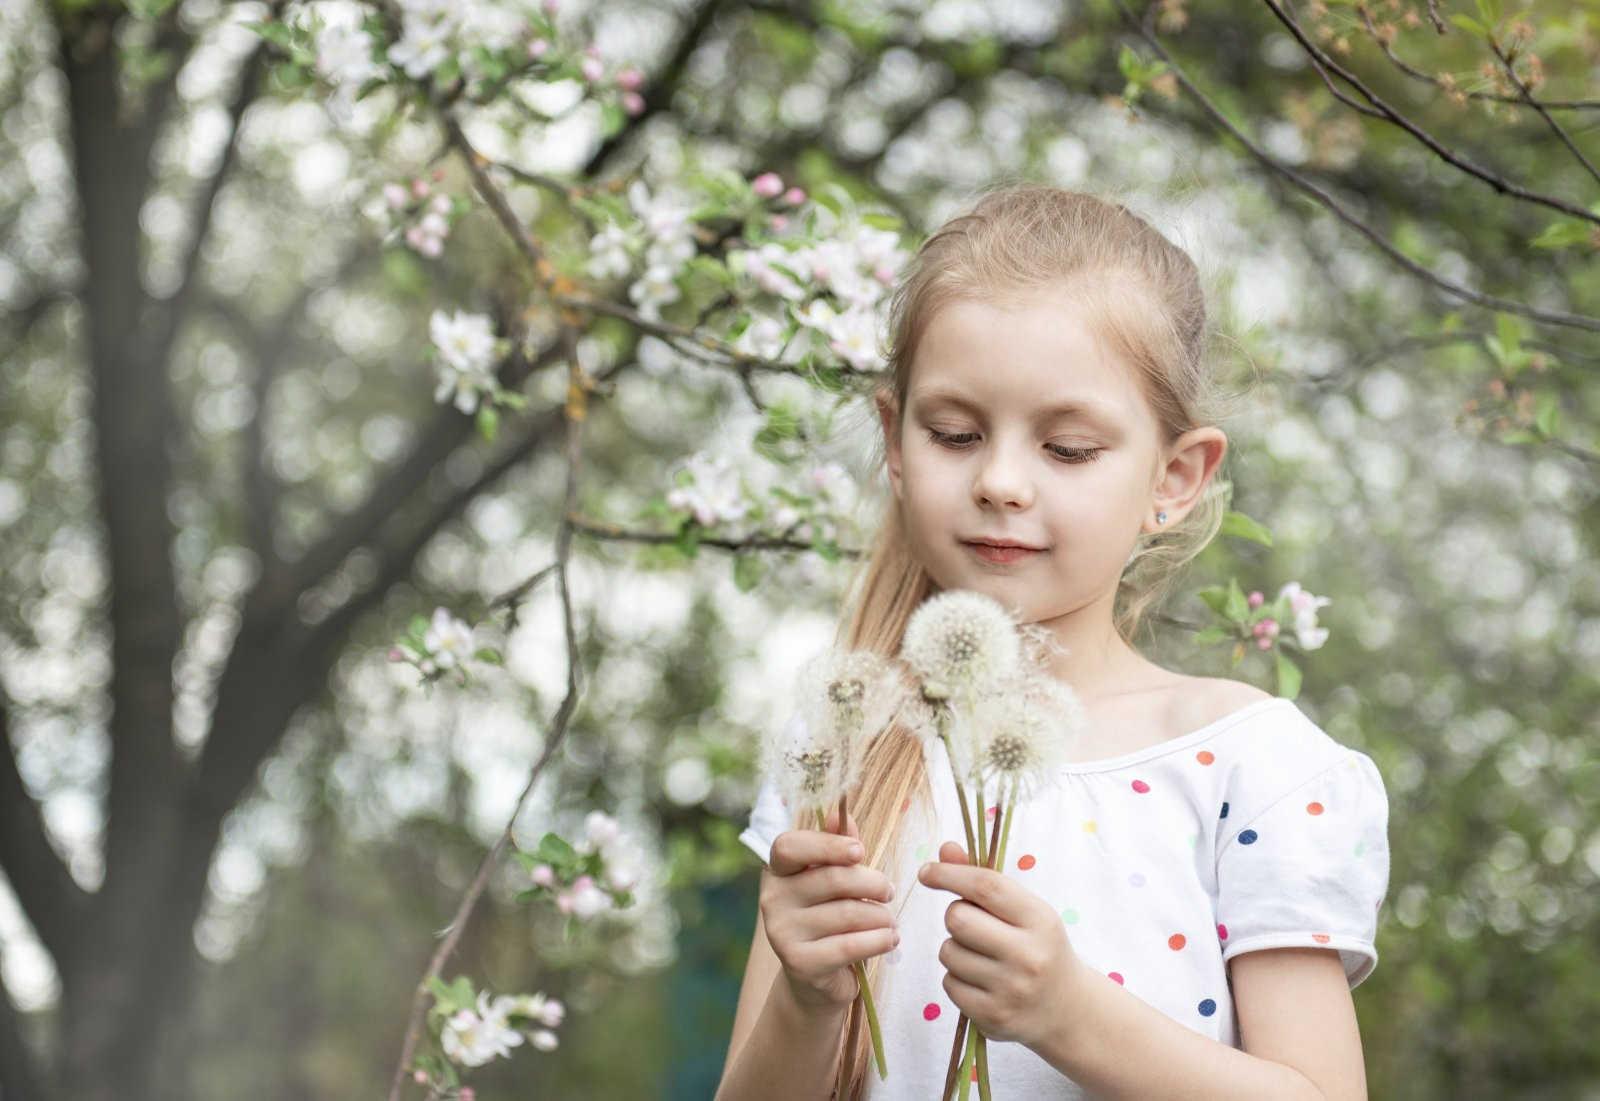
(951, 853)
(973, 968)
(1002, 897)
(844, 915)
(820, 884)
(977, 930)
(794, 851)
(848, 948)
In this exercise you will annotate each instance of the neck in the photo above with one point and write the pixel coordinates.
(1096, 662)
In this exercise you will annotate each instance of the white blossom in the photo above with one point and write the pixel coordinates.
(423, 47)
(716, 493)
(465, 340)
(1304, 606)
(609, 255)
(656, 288)
(473, 1038)
(448, 640)
(344, 55)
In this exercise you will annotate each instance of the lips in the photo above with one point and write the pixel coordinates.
(1002, 543)
(1002, 554)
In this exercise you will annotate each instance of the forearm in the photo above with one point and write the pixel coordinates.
(1116, 1045)
(790, 1055)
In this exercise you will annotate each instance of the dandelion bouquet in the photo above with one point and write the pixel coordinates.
(846, 697)
(1005, 723)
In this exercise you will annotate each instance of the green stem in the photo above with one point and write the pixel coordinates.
(961, 792)
(982, 857)
(965, 1073)
(1005, 832)
(983, 1067)
(872, 1019)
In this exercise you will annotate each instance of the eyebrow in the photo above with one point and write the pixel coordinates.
(1081, 408)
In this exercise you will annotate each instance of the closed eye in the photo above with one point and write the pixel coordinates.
(958, 441)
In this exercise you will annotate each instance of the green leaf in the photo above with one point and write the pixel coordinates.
(1215, 596)
(1562, 234)
(1469, 24)
(748, 570)
(553, 849)
(1548, 410)
(1240, 526)
(491, 655)
(1237, 607)
(1212, 634)
(458, 995)
(488, 422)
(1288, 677)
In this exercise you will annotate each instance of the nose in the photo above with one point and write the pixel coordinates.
(1002, 480)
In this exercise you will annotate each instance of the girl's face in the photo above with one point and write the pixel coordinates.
(1020, 426)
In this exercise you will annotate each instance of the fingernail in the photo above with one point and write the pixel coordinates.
(856, 853)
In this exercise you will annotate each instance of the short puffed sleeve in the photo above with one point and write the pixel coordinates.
(1310, 868)
(768, 815)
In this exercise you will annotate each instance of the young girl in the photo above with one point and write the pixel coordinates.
(1185, 913)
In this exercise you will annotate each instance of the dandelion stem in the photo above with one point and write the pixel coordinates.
(966, 1064)
(1005, 834)
(872, 1020)
(1002, 811)
(955, 1057)
(982, 1057)
(981, 857)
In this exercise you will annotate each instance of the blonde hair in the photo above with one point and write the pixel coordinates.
(1145, 299)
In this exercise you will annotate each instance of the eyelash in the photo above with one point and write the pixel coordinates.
(1070, 455)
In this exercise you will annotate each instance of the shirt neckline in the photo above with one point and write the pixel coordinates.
(1178, 742)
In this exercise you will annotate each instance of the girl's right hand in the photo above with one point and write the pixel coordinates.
(824, 911)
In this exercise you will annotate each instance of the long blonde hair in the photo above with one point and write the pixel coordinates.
(1019, 236)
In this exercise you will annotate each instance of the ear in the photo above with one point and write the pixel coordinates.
(888, 417)
(1193, 458)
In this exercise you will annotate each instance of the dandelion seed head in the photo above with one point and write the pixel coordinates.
(960, 640)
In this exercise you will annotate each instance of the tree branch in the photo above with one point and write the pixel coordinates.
(50, 897)
(1493, 302)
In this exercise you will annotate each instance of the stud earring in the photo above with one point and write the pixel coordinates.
(1161, 517)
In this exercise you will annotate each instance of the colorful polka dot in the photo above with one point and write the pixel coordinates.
(930, 1012)
(1224, 810)
(1091, 827)
(1248, 837)
(1222, 932)
(1070, 916)
(1361, 847)
(1176, 942)
(1207, 1007)
(1194, 839)
(1116, 977)
(1141, 787)
(974, 1070)
(990, 812)
(1026, 861)
(1320, 938)
(1205, 757)
(924, 852)
(1314, 808)
(1136, 879)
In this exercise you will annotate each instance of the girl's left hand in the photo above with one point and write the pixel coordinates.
(1008, 963)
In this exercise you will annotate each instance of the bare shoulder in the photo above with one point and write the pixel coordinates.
(1198, 701)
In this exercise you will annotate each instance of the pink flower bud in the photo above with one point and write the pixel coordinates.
(794, 196)
(415, 236)
(819, 272)
(550, 6)
(396, 654)
(394, 195)
(564, 902)
(538, 48)
(884, 274)
(767, 185)
(583, 883)
(420, 188)
(544, 875)
(780, 222)
(1263, 643)
(1255, 598)
(467, 1093)
(440, 204)
(420, 1077)
(1269, 627)
(437, 174)
(593, 69)
(431, 246)
(630, 79)
(633, 103)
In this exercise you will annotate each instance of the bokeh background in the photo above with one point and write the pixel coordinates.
(230, 829)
